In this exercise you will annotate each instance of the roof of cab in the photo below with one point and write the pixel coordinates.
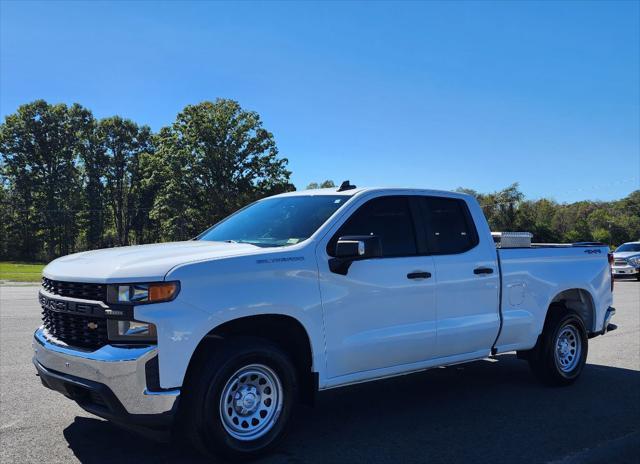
(324, 191)
(354, 191)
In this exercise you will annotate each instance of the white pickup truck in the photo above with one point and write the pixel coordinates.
(303, 292)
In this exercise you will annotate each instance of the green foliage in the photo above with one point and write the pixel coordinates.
(121, 142)
(69, 182)
(215, 158)
(39, 146)
(322, 185)
(92, 162)
(609, 222)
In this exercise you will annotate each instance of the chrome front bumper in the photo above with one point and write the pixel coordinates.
(623, 270)
(120, 370)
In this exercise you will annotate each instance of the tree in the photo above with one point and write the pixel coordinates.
(322, 185)
(39, 145)
(543, 228)
(499, 207)
(120, 144)
(504, 205)
(215, 158)
(93, 163)
(5, 220)
(152, 176)
(69, 182)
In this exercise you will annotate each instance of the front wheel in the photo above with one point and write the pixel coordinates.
(240, 400)
(561, 352)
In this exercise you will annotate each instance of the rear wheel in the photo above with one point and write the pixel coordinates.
(561, 352)
(239, 399)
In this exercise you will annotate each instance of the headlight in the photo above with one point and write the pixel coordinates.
(131, 331)
(635, 261)
(154, 292)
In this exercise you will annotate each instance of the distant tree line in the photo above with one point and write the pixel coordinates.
(321, 185)
(70, 182)
(610, 222)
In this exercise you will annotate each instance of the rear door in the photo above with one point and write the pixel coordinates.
(467, 277)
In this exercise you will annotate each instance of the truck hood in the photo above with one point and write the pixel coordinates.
(626, 254)
(140, 263)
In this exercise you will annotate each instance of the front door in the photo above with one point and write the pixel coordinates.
(382, 313)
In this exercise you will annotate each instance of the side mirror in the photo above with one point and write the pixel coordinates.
(358, 247)
(352, 248)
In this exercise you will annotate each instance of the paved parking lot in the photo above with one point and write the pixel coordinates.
(487, 411)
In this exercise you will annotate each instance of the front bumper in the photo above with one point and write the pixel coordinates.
(628, 270)
(116, 383)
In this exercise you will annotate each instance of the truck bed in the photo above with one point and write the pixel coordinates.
(534, 277)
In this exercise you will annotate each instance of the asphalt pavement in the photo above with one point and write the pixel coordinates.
(490, 411)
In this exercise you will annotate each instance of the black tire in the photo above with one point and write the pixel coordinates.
(556, 366)
(203, 417)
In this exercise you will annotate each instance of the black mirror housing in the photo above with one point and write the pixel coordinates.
(358, 247)
(353, 248)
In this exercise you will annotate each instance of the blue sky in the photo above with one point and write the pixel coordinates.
(436, 95)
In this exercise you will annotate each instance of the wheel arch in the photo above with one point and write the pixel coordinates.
(285, 331)
(581, 301)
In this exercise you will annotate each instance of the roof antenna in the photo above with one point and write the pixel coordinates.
(346, 186)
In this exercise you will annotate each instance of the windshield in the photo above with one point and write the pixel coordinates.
(274, 222)
(628, 247)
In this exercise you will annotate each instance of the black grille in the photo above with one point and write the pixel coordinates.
(76, 330)
(86, 291)
(620, 261)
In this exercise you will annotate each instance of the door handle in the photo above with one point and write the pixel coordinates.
(418, 275)
(483, 270)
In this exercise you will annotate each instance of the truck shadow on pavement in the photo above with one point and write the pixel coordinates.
(486, 411)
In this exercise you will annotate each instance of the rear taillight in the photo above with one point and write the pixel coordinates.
(611, 269)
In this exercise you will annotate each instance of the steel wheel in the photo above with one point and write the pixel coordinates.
(568, 348)
(251, 402)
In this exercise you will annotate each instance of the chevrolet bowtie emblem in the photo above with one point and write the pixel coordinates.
(92, 325)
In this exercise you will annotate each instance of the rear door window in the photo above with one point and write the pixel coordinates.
(448, 225)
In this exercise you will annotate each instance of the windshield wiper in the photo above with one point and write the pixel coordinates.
(244, 242)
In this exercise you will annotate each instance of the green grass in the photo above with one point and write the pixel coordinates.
(20, 272)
